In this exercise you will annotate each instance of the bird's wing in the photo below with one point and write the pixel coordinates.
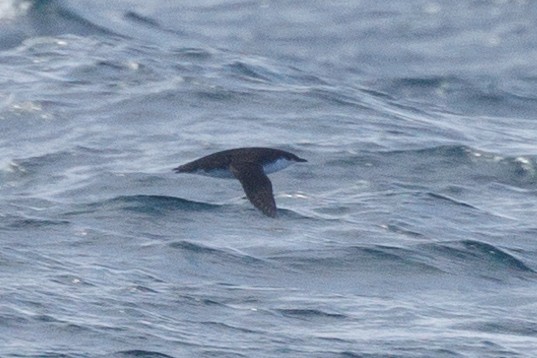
(256, 185)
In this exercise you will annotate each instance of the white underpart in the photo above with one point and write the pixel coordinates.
(276, 166)
(226, 174)
(216, 173)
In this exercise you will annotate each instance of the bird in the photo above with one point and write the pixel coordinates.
(250, 165)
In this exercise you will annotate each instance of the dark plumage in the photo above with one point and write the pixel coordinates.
(250, 166)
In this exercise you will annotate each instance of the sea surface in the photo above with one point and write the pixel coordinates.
(410, 232)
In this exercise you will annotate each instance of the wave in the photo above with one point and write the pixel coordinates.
(468, 95)
(309, 313)
(142, 353)
(445, 164)
(220, 255)
(51, 17)
(157, 205)
(357, 258)
(26, 223)
(466, 258)
(261, 70)
(515, 327)
(474, 257)
(23, 222)
(147, 204)
(452, 200)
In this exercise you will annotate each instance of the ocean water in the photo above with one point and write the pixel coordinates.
(410, 232)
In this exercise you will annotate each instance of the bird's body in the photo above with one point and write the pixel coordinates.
(250, 166)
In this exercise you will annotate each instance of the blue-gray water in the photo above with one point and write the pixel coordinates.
(411, 231)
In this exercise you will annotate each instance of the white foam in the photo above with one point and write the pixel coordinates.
(9, 9)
